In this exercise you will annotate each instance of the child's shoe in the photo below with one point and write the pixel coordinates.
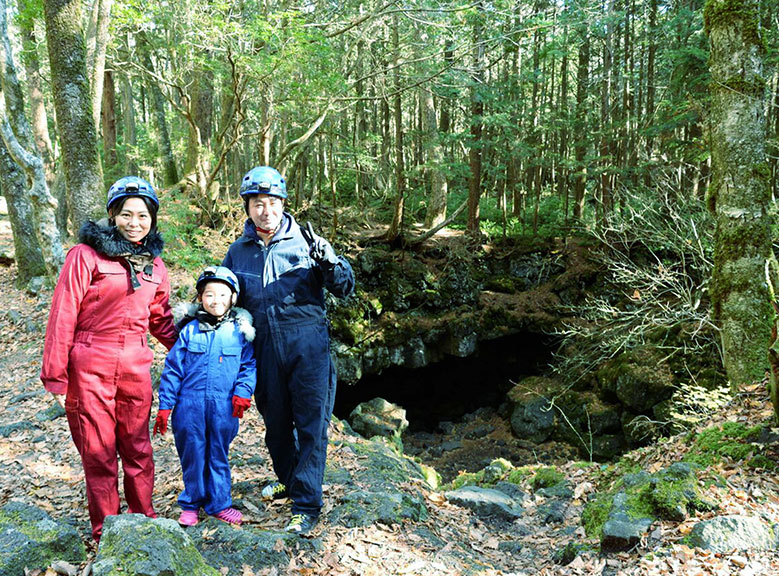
(188, 518)
(230, 515)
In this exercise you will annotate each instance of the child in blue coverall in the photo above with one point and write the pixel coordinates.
(208, 381)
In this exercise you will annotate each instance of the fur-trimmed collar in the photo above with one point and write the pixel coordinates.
(107, 240)
(184, 313)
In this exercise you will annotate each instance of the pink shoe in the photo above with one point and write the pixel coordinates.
(230, 515)
(188, 518)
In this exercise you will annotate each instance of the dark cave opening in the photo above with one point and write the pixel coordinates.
(453, 387)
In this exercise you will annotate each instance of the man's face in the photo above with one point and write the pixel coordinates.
(266, 211)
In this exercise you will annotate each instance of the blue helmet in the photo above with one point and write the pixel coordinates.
(263, 180)
(131, 186)
(218, 274)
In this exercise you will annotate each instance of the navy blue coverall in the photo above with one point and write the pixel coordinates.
(283, 288)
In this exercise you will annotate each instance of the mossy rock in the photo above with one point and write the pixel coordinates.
(30, 538)
(639, 379)
(135, 544)
(547, 477)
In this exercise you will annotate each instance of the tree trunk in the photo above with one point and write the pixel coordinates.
(19, 143)
(76, 126)
(476, 120)
(400, 177)
(740, 192)
(39, 116)
(108, 120)
(436, 201)
(128, 123)
(97, 42)
(580, 148)
(169, 171)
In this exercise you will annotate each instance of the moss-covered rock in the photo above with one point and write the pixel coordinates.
(135, 544)
(30, 538)
(385, 489)
(638, 378)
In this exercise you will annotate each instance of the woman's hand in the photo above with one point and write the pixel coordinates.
(60, 398)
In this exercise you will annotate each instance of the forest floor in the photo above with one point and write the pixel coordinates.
(39, 464)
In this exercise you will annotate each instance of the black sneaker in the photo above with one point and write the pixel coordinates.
(301, 524)
(275, 491)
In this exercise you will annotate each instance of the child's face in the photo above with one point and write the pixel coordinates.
(216, 298)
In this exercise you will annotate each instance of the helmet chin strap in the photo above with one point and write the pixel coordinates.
(266, 232)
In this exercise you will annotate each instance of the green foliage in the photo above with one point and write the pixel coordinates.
(595, 513)
(546, 478)
(731, 440)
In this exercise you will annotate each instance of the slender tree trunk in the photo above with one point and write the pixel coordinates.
(108, 120)
(740, 193)
(38, 114)
(400, 176)
(97, 42)
(580, 148)
(436, 201)
(169, 171)
(128, 123)
(476, 121)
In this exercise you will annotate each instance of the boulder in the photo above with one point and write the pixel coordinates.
(726, 533)
(486, 502)
(31, 539)
(135, 544)
(638, 378)
(382, 491)
(378, 417)
(623, 528)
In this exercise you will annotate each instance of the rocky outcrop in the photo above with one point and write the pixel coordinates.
(30, 538)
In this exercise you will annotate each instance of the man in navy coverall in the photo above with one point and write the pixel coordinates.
(283, 270)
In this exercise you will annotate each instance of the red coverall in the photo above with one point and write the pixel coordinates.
(96, 351)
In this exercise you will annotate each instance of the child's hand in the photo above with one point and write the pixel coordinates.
(240, 405)
(161, 424)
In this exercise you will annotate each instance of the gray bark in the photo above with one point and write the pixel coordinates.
(76, 126)
(19, 143)
(97, 41)
(740, 190)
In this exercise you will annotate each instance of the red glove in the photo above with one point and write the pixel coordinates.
(240, 405)
(161, 424)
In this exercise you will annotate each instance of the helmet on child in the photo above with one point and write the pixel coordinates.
(263, 180)
(218, 274)
(131, 186)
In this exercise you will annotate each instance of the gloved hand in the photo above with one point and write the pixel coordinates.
(319, 248)
(240, 405)
(161, 424)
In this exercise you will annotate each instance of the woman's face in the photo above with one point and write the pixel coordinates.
(133, 219)
(266, 211)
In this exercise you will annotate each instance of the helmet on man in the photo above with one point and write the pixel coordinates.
(131, 186)
(263, 180)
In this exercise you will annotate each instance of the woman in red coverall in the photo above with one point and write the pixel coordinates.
(112, 290)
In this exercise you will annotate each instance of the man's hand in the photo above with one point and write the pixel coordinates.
(240, 405)
(319, 248)
(161, 424)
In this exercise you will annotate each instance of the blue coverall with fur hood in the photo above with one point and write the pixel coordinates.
(207, 366)
(283, 288)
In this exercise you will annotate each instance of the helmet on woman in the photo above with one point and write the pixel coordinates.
(263, 180)
(218, 274)
(131, 186)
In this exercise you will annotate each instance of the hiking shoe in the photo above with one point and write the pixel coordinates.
(301, 524)
(275, 491)
(188, 518)
(230, 515)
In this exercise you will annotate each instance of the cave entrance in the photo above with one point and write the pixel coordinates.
(453, 387)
